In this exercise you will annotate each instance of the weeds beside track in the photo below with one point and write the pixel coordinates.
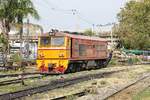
(54, 85)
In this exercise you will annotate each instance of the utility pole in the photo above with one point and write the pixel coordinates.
(111, 33)
(28, 23)
(112, 41)
(75, 13)
(93, 28)
(21, 41)
(99, 29)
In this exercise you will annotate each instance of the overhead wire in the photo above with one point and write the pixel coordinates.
(55, 7)
(74, 12)
(68, 11)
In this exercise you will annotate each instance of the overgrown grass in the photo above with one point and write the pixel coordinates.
(70, 97)
(144, 95)
(16, 57)
(148, 70)
(113, 62)
(135, 60)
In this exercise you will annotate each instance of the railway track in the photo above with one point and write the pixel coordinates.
(16, 75)
(25, 74)
(53, 85)
(36, 73)
(79, 94)
(15, 81)
(128, 86)
(83, 93)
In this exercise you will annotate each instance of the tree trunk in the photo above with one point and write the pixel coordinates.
(20, 21)
(5, 28)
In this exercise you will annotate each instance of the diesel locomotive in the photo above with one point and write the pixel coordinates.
(64, 52)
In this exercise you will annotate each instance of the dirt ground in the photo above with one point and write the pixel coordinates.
(128, 93)
(97, 87)
(143, 95)
(117, 81)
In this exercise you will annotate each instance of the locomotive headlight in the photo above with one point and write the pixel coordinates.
(61, 55)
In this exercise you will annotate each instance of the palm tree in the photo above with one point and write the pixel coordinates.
(6, 17)
(14, 11)
(23, 8)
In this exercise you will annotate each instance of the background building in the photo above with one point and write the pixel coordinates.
(111, 38)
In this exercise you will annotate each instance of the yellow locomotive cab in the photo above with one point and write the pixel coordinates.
(61, 52)
(53, 54)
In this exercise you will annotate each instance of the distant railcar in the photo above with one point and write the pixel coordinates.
(64, 52)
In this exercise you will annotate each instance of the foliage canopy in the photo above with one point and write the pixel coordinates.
(89, 32)
(134, 25)
(14, 11)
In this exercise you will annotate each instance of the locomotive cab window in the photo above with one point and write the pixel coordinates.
(57, 41)
(45, 41)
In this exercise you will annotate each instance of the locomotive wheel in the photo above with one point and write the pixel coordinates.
(71, 68)
(84, 66)
(68, 69)
(100, 64)
(74, 67)
(78, 67)
(104, 63)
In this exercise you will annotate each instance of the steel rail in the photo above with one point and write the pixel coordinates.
(16, 75)
(25, 74)
(79, 94)
(126, 87)
(83, 93)
(54, 85)
(14, 81)
(35, 73)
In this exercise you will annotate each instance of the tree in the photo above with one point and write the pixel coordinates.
(3, 42)
(14, 11)
(22, 9)
(134, 25)
(89, 32)
(6, 17)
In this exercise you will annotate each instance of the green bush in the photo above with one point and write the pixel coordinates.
(133, 60)
(113, 62)
(16, 57)
(136, 60)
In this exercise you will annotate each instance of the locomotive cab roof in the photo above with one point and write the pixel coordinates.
(73, 35)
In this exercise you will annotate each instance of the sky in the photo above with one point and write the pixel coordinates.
(76, 15)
